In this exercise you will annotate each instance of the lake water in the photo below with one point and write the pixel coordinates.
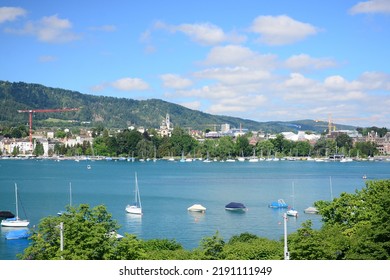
(168, 188)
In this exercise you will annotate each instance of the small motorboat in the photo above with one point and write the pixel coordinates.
(197, 208)
(278, 204)
(311, 210)
(235, 206)
(6, 215)
(18, 234)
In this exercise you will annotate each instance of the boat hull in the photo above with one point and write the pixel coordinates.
(196, 208)
(18, 234)
(14, 223)
(134, 210)
(292, 213)
(235, 209)
(235, 206)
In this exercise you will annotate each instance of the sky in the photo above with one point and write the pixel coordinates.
(280, 60)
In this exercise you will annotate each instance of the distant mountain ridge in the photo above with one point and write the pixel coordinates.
(122, 112)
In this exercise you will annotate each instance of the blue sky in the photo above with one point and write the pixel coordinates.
(260, 60)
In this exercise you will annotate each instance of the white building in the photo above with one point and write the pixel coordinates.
(301, 136)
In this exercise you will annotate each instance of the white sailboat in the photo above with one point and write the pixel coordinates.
(15, 222)
(292, 212)
(136, 207)
(254, 158)
(70, 200)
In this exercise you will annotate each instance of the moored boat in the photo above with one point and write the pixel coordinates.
(16, 221)
(311, 210)
(18, 234)
(197, 208)
(6, 215)
(136, 207)
(235, 206)
(278, 204)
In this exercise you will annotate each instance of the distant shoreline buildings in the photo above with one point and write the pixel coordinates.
(47, 139)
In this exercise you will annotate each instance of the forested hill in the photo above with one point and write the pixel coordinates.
(117, 112)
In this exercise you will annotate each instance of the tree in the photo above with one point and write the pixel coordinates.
(242, 146)
(181, 141)
(363, 218)
(212, 247)
(366, 148)
(248, 246)
(225, 147)
(39, 150)
(87, 236)
(344, 141)
(303, 148)
(329, 243)
(264, 147)
(15, 151)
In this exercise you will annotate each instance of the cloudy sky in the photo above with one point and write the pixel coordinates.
(256, 59)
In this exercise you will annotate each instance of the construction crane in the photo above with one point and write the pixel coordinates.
(332, 126)
(43, 111)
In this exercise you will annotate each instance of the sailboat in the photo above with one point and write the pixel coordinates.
(254, 158)
(136, 207)
(70, 200)
(292, 212)
(16, 221)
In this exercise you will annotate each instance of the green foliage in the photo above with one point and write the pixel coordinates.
(119, 112)
(212, 247)
(359, 222)
(38, 151)
(329, 243)
(344, 141)
(242, 146)
(248, 246)
(87, 236)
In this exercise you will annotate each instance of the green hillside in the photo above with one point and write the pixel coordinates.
(118, 112)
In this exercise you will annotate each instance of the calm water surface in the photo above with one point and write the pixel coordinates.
(169, 188)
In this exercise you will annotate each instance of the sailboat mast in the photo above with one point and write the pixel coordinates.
(136, 188)
(70, 194)
(331, 188)
(16, 201)
(137, 195)
(293, 195)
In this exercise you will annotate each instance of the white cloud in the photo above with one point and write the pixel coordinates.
(175, 81)
(375, 80)
(10, 13)
(243, 103)
(298, 80)
(235, 55)
(130, 84)
(281, 30)
(205, 33)
(306, 62)
(371, 7)
(234, 75)
(123, 84)
(50, 29)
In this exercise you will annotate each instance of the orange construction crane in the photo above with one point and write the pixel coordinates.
(43, 111)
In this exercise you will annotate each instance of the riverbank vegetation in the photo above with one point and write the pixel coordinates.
(355, 226)
(132, 143)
